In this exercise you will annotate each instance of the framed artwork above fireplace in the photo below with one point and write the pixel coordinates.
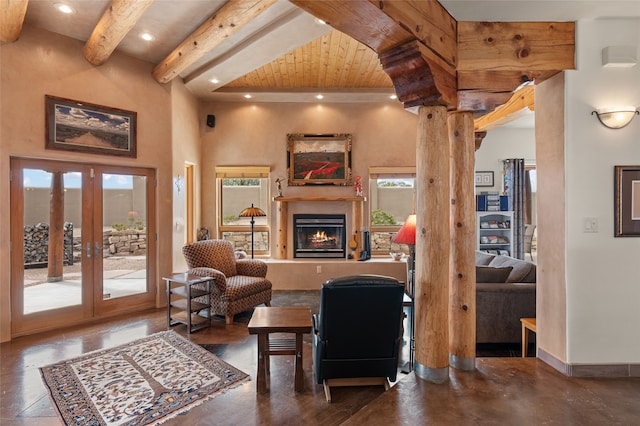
(319, 159)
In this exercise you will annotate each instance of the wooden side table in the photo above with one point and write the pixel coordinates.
(267, 320)
(527, 324)
(184, 309)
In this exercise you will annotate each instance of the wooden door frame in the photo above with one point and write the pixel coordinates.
(111, 307)
(51, 319)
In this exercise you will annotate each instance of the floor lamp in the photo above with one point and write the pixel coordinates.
(252, 212)
(407, 235)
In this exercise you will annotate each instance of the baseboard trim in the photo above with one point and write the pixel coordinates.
(604, 370)
(553, 361)
(590, 370)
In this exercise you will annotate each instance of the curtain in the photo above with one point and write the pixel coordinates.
(515, 187)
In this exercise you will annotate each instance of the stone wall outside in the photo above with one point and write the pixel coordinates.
(128, 242)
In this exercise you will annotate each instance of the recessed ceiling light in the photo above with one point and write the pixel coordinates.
(319, 97)
(214, 81)
(248, 96)
(64, 8)
(147, 36)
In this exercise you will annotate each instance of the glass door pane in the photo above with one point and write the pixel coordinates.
(124, 247)
(53, 253)
(79, 242)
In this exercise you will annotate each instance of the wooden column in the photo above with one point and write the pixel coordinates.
(462, 314)
(432, 245)
(281, 225)
(357, 222)
(56, 229)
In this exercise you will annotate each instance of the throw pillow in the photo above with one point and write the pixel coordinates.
(483, 258)
(523, 271)
(489, 274)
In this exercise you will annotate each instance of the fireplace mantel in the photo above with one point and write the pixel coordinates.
(282, 218)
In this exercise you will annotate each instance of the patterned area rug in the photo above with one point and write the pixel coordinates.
(144, 382)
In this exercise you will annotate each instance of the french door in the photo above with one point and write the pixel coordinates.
(82, 242)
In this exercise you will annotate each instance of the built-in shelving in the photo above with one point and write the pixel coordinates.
(494, 232)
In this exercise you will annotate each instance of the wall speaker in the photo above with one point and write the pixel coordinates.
(211, 120)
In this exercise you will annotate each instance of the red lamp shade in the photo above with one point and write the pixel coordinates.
(407, 234)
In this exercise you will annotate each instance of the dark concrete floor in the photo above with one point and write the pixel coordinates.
(501, 391)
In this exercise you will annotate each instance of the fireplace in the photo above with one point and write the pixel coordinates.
(319, 235)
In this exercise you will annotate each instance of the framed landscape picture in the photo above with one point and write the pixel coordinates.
(627, 201)
(84, 127)
(323, 159)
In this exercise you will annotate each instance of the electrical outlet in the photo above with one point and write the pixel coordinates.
(590, 225)
(319, 269)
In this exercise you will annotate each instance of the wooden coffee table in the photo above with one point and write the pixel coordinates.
(267, 320)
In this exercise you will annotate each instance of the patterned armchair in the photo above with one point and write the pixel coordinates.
(240, 284)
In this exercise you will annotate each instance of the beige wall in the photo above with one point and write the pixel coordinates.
(117, 204)
(186, 150)
(41, 63)
(602, 271)
(248, 133)
(551, 244)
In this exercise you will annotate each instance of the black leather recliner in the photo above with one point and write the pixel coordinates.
(358, 332)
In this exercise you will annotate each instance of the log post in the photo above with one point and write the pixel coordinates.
(432, 245)
(462, 314)
(55, 257)
(357, 223)
(281, 225)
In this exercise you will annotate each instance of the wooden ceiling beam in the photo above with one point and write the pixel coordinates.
(419, 76)
(481, 102)
(360, 19)
(515, 107)
(234, 15)
(116, 22)
(495, 58)
(516, 46)
(428, 22)
(499, 81)
(423, 70)
(12, 15)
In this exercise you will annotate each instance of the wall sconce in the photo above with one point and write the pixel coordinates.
(179, 182)
(616, 118)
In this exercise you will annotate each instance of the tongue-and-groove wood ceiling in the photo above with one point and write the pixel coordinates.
(333, 60)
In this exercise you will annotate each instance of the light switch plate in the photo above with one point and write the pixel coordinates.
(590, 224)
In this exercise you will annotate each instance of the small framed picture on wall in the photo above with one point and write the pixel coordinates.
(484, 178)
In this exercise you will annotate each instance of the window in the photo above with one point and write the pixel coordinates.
(392, 199)
(239, 188)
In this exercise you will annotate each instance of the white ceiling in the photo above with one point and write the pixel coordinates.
(280, 29)
(540, 10)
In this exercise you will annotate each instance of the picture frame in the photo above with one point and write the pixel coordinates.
(319, 159)
(85, 127)
(627, 201)
(484, 179)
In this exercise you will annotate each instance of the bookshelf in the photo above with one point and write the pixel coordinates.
(494, 232)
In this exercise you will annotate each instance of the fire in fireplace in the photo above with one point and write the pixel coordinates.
(319, 235)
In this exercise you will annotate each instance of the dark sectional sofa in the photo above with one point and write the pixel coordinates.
(505, 292)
